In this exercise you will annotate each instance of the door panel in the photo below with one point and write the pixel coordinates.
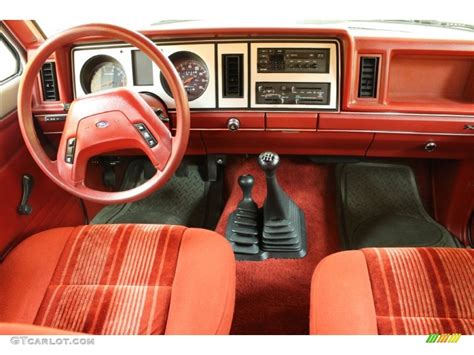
(51, 206)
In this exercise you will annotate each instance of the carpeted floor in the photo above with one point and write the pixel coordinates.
(273, 295)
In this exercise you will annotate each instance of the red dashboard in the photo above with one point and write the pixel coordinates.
(422, 106)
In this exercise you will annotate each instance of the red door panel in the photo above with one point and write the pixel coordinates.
(52, 207)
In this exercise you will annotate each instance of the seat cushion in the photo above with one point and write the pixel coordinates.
(121, 279)
(393, 291)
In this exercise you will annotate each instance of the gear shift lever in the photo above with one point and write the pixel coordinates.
(280, 232)
(242, 227)
(247, 203)
(284, 232)
(277, 201)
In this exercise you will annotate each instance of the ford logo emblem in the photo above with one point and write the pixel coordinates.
(102, 124)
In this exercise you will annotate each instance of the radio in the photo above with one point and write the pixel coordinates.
(285, 93)
(293, 60)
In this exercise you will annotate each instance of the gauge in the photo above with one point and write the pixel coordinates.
(107, 76)
(102, 73)
(193, 73)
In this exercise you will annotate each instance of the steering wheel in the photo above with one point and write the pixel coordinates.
(107, 121)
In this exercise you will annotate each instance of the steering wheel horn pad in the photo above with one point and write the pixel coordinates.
(106, 122)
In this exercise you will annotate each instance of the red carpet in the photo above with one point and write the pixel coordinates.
(273, 295)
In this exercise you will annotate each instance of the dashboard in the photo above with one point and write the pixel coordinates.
(305, 90)
(274, 75)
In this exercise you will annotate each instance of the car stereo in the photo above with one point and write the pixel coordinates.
(293, 60)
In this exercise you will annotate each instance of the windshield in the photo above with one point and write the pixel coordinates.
(52, 27)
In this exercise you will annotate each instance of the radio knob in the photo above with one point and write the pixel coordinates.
(233, 124)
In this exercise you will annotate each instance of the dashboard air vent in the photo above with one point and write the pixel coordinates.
(50, 83)
(368, 77)
(232, 75)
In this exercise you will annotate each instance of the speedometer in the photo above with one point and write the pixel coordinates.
(193, 73)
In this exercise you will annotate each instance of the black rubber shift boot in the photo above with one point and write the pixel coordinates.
(243, 225)
(284, 232)
(275, 231)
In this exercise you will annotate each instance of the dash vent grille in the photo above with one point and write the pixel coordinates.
(49, 81)
(232, 75)
(368, 77)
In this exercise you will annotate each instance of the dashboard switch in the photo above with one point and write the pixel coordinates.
(431, 147)
(70, 150)
(233, 124)
(146, 135)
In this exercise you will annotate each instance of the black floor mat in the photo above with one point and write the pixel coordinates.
(379, 206)
(182, 201)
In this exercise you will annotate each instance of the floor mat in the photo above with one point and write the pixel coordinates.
(182, 201)
(272, 296)
(380, 206)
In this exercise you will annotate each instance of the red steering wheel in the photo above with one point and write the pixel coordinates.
(107, 121)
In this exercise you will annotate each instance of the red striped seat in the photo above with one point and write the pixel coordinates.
(121, 279)
(394, 291)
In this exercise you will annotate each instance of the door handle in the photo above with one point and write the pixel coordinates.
(27, 183)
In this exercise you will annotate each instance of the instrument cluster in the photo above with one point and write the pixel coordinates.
(276, 75)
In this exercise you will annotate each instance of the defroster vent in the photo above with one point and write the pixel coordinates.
(49, 81)
(368, 77)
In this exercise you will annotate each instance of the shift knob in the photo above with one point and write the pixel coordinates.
(246, 184)
(268, 161)
(277, 202)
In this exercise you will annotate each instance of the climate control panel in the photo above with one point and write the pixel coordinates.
(289, 93)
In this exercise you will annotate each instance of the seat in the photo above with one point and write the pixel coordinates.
(119, 279)
(393, 291)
